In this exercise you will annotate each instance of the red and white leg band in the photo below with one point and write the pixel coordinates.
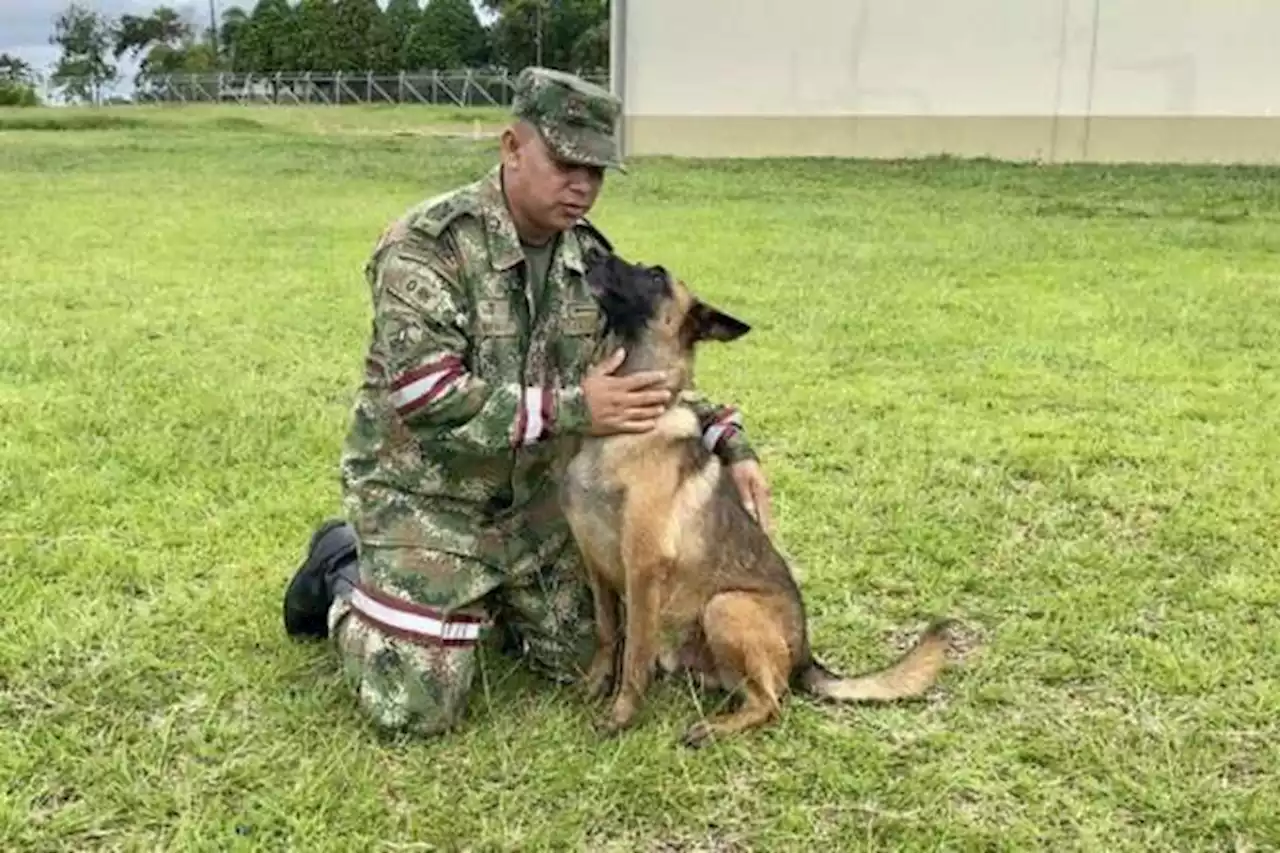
(413, 622)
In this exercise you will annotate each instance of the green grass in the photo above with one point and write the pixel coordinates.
(1042, 400)
(365, 119)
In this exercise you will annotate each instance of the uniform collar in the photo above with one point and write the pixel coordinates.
(500, 230)
(571, 252)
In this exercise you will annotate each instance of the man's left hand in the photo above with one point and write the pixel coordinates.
(754, 491)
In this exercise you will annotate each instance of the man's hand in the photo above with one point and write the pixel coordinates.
(754, 491)
(623, 403)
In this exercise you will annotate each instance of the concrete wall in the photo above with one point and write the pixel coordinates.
(1056, 80)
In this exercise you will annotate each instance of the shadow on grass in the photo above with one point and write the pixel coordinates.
(77, 121)
(52, 120)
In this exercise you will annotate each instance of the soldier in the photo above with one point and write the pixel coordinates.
(483, 366)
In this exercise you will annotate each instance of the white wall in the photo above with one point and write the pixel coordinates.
(950, 58)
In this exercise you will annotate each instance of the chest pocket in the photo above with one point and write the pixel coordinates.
(494, 318)
(498, 352)
(581, 324)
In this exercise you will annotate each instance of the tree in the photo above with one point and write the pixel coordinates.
(384, 46)
(553, 33)
(591, 50)
(316, 35)
(267, 43)
(401, 17)
(356, 26)
(135, 33)
(17, 82)
(168, 41)
(85, 38)
(235, 22)
(331, 35)
(448, 35)
(16, 70)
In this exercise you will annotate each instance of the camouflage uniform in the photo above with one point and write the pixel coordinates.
(469, 409)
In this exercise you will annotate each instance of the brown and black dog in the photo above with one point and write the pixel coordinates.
(664, 533)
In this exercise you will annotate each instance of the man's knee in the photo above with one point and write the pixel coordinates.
(402, 685)
(408, 637)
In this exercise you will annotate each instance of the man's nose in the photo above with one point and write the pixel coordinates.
(583, 177)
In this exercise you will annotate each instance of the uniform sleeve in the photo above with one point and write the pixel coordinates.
(723, 432)
(422, 342)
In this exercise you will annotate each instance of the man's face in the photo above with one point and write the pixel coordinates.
(551, 194)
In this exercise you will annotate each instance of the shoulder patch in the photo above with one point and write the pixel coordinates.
(393, 233)
(435, 216)
(585, 226)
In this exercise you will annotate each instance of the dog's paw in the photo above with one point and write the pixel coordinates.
(610, 726)
(599, 685)
(601, 675)
(697, 735)
(621, 716)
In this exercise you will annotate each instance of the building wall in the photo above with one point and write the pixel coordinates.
(1056, 80)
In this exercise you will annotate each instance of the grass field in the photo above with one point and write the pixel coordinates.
(1043, 400)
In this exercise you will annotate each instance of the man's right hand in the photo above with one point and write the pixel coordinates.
(623, 403)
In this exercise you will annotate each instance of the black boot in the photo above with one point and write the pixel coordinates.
(329, 570)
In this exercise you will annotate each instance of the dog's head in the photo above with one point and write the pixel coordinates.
(648, 309)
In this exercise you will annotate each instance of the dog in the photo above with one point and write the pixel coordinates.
(665, 537)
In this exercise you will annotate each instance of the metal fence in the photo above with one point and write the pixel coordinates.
(461, 88)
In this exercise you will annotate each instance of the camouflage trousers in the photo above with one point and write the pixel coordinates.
(410, 634)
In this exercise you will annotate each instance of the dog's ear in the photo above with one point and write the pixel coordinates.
(712, 324)
(595, 256)
(601, 269)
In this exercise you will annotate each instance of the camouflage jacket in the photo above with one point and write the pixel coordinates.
(471, 402)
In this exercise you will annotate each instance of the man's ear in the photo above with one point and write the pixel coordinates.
(508, 144)
(712, 324)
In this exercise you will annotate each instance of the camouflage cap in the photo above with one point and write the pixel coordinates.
(577, 119)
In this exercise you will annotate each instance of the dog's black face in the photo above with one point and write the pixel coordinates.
(629, 294)
(635, 298)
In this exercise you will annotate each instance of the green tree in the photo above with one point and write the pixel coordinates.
(448, 35)
(234, 25)
(316, 42)
(200, 57)
(84, 66)
(357, 21)
(134, 34)
(267, 43)
(17, 82)
(556, 33)
(591, 51)
(401, 17)
(16, 69)
(167, 43)
(384, 46)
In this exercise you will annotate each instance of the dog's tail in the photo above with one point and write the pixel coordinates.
(909, 677)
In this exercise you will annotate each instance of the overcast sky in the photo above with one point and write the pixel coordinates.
(25, 25)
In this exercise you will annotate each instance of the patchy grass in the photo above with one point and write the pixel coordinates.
(1043, 400)
(362, 120)
(13, 119)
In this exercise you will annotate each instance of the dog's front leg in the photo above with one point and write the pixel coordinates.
(645, 564)
(602, 673)
(639, 644)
